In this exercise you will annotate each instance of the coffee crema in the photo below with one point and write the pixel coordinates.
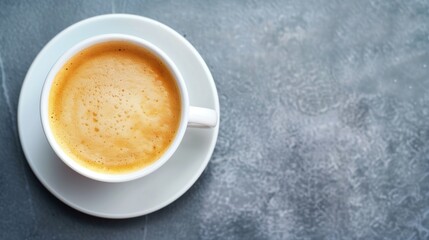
(114, 107)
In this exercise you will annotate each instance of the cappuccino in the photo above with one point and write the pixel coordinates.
(114, 107)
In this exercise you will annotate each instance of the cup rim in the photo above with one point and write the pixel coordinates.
(68, 160)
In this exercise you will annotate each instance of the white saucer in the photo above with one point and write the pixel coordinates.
(142, 196)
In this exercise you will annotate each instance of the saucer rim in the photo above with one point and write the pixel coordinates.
(210, 148)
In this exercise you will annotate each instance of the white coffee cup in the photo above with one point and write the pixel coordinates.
(190, 116)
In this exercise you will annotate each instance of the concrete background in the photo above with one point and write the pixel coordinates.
(324, 131)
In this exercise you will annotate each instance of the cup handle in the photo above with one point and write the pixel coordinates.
(202, 117)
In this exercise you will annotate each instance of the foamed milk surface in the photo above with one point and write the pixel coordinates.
(114, 107)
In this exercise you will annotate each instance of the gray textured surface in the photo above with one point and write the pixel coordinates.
(324, 130)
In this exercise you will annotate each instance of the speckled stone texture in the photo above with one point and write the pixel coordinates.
(324, 121)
